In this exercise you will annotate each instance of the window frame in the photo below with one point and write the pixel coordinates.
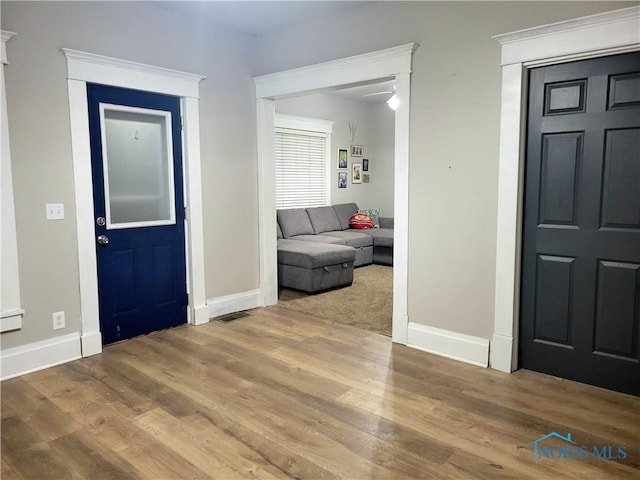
(315, 127)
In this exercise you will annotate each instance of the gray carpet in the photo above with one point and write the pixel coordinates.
(367, 304)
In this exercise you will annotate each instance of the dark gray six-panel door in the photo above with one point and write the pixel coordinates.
(580, 295)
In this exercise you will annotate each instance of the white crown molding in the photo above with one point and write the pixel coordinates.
(615, 32)
(573, 24)
(91, 67)
(6, 36)
(388, 62)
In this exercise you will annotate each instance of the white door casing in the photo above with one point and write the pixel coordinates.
(11, 312)
(389, 63)
(85, 67)
(597, 35)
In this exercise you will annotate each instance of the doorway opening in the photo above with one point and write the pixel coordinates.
(390, 63)
(360, 172)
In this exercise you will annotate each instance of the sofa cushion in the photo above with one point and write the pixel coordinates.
(386, 222)
(382, 237)
(313, 255)
(279, 230)
(344, 212)
(323, 219)
(374, 214)
(360, 221)
(351, 238)
(294, 221)
(318, 239)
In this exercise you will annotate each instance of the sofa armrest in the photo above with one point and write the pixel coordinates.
(386, 222)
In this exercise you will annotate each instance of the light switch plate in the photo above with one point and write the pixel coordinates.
(55, 211)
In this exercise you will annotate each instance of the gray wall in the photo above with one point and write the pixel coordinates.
(455, 119)
(454, 137)
(41, 149)
(374, 130)
(382, 131)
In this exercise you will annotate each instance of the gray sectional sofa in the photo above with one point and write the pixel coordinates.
(317, 249)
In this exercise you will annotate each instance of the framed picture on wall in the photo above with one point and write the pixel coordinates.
(342, 179)
(343, 158)
(365, 164)
(356, 173)
(357, 150)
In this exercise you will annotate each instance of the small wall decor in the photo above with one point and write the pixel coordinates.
(357, 150)
(365, 178)
(343, 158)
(342, 179)
(365, 164)
(356, 173)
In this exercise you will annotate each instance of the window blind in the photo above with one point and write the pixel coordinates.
(301, 168)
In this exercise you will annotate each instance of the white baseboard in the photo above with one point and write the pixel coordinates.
(234, 303)
(11, 320)
(457, 346)
(36, 356)
(91, 344)
(501, 357)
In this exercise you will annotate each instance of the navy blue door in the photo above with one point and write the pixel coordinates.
(136, 154)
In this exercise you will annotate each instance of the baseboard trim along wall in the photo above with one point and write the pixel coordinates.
(39, 355)
(457, 346)
(236, 302)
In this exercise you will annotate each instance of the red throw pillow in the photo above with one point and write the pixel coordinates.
(360, 220)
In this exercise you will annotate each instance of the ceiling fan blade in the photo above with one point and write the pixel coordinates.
(377, 93)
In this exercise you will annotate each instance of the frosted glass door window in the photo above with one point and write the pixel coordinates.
(137, 153)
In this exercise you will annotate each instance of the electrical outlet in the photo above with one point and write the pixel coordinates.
(58, 320)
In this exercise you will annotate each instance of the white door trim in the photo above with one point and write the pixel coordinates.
(85, 67)
(388, 63)
(587, 37)
(11, 312)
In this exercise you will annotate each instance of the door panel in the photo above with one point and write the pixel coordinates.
(138, 202)
(580, 289)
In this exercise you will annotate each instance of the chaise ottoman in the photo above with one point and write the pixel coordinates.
(314, 267)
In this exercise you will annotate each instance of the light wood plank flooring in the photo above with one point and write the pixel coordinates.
(278, 394)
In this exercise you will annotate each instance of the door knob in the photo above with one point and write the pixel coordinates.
(103, 240)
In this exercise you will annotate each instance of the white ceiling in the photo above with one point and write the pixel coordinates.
(257, 17)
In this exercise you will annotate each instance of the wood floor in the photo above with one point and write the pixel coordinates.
(281, 395)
